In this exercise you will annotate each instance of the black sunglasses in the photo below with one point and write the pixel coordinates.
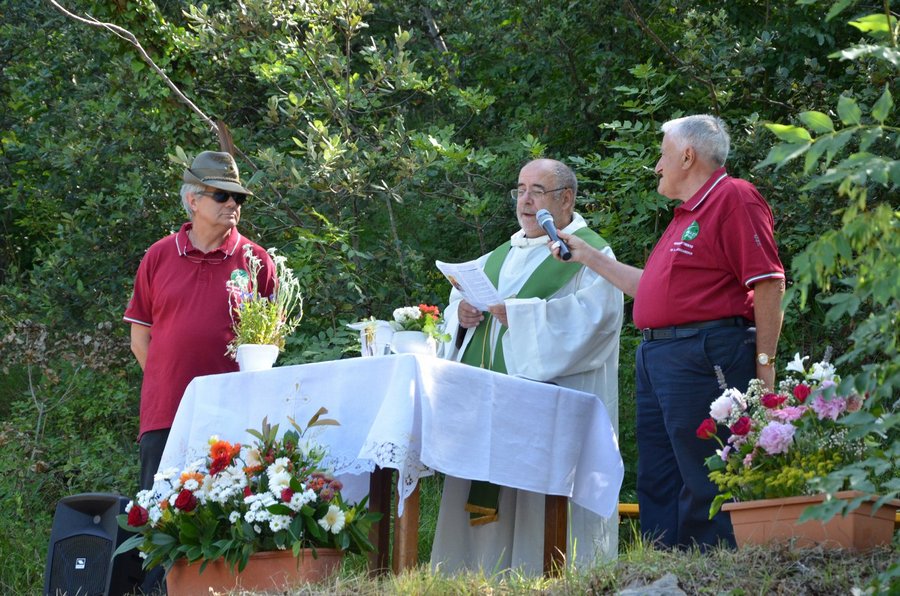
(222, 196)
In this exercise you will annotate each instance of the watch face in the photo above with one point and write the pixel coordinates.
(763, 359)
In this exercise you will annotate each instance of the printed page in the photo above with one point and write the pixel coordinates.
(469, 279)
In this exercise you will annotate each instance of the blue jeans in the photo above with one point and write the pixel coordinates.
(676, 383)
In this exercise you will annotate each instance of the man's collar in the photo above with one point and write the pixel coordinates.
(701, 194)
(184, 246)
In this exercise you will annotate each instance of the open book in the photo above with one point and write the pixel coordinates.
(469, 279)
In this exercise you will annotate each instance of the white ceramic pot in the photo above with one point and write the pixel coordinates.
(256, 356)
(413, 342)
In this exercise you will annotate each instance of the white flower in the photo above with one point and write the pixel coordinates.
(406, 314)
(334, 520)
(234, 517)
(165, 475)
(252, 457)
(279, 522)
(724, 405)
(822, 371)
(796, 364)
(192, 484)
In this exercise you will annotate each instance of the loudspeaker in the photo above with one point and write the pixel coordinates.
(84, 537)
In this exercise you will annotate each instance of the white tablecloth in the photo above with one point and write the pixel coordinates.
(417, 414)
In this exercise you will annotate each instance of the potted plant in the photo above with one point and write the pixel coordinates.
(778, 445)
(243, 509)
(417, 329)
(261, 323)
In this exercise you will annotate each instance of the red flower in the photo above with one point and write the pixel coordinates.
(707, 429)
(186, 501)
(742, 426)
(219, 464)
(801, 392)
(286, 495)
(138, 516)
(247, 491)
(772, 400)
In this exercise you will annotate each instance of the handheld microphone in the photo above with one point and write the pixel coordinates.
(545, 220)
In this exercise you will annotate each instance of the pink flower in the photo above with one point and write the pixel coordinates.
(776, 437)
(788, 413)
(829, 408)
(854, 403)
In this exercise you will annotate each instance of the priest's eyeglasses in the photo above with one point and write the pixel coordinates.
(536, 194)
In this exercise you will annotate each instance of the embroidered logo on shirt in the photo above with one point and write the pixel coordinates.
(691, 232)
(240, 279)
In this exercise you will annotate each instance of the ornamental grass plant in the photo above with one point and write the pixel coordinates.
(258, 319)
(778, 444)
(240, 500)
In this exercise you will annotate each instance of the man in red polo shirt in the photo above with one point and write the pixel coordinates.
(709, 296)
(179, 312)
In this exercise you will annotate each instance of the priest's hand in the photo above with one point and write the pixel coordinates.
(468, 315)
(499, 312)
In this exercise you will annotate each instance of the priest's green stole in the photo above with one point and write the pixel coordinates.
(548, 278)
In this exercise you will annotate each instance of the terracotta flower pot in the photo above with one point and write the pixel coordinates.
(274, 570)
(775, 520)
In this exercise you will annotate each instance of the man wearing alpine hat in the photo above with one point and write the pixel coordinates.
(179, 311)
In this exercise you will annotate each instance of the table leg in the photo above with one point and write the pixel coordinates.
(406, 535)
(555, 508)
(380, 481)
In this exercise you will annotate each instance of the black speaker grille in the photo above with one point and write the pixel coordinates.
(80, 565)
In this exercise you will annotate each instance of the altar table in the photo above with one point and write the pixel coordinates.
(416, 414)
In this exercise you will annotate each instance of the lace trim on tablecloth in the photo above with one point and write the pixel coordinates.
(404, 459)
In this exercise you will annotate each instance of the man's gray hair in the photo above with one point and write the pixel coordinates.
(705, 133)
(565, 177)
(185, 189)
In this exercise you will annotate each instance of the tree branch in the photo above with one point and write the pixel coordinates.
(130, 38)
(678, 61)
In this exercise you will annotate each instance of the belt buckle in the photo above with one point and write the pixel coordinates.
(647, 334)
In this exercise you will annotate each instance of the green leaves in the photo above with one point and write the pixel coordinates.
(848, 110)
(790, 134)
(817, 121)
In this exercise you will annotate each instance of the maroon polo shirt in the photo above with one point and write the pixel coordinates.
(719, 243)
(180, 293)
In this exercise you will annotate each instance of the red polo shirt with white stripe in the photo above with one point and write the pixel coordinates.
(719, 243)
(180, 294)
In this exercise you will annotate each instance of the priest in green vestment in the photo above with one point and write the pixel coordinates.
(559, 323)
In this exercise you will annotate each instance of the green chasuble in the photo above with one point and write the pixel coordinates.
(548, 278)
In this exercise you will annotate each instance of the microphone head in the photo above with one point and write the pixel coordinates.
(543, 216)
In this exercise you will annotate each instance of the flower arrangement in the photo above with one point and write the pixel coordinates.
(258, 319)
(423, 318)
(779, 442)
(241, 500)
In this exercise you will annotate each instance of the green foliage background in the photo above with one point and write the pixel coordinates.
(381, 136)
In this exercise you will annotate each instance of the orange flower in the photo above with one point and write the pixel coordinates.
(185, 476)
(224, 450)
(430, 310)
